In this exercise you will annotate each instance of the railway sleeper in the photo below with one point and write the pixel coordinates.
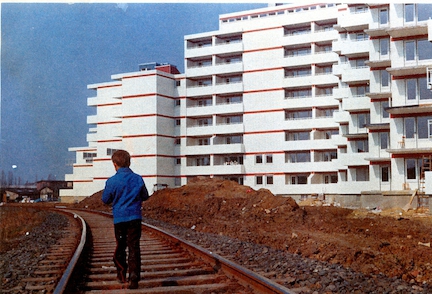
(161, 282)
(196, 289)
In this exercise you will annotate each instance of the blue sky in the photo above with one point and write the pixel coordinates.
(51, 52)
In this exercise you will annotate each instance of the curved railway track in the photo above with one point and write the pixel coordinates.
(169, 265)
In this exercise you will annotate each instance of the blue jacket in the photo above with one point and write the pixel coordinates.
(126, 191)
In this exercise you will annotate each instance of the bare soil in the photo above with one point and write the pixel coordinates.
(394, 242)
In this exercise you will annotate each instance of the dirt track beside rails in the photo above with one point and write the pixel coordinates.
(395, 243)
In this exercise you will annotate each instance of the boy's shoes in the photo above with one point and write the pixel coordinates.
(133, 285)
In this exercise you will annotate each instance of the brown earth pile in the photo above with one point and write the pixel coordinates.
(394, 242)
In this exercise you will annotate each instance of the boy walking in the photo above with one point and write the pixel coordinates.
(126, 191)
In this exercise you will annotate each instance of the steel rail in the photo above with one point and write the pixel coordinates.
(245, 276)
(61, 286)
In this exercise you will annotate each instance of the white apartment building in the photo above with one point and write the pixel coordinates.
(327, 99)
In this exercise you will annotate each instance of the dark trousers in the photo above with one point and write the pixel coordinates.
(128, 235)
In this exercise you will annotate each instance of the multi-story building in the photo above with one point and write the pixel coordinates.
(325, 99)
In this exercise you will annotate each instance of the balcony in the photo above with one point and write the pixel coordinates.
(355, 75)
(229, 128)
(301, 124)
(97, 119)
(309, 144)
(228, 47)
(214, 170)
(353, 104)
(353, 159)
(200, 131)
(214, 149)
(203, 90)
(310, 102)
(349, 21)
(341, 116)
(339, 69)
(354, 49)
(298, 60)
(225, 88)
(219, 68)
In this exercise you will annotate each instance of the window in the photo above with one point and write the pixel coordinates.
(360, 91)
(299, 72)
(409, 12)
(233, 160)
(297, 157)
(177, 102)
(234, 139)
(411, 89)
(417, 12)
(409, 50)
(383, 16)
(269, 158)
(324, 91)
(424, 49)
(409, 127)
(416, 89)
(269, 180)
(430, 128)
(327, 112)
(204, 102)
(329, 156)
(204, 122)
(302, 114)
(332, 178)
(259, 180)
(177, 122)
(258, 159)
(111, 151)
(423, 123)
(297, 52)
(360, 63)
(178, 161)
(328, 134)
(411, 169)
(417, 126)
(384, 138)
(363, 119)
(362, 174)
(418, 50)
(385, 78)
(297, 136)
(298, 93)
(177, 141)
(424, 11)
(384, 106)
(361, 37)
(298, 180)
(385, 174)
(384, 47)
(236, 119)
(178, 83)
(361, 146)
(203, 161)
(88, 156)
(204, 141)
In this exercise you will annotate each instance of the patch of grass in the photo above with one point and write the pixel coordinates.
(16, 221)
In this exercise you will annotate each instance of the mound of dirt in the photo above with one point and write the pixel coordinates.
(396, 244)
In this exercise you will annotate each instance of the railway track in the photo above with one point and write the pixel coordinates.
(169, 265)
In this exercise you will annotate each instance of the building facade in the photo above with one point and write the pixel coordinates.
(328, 99)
